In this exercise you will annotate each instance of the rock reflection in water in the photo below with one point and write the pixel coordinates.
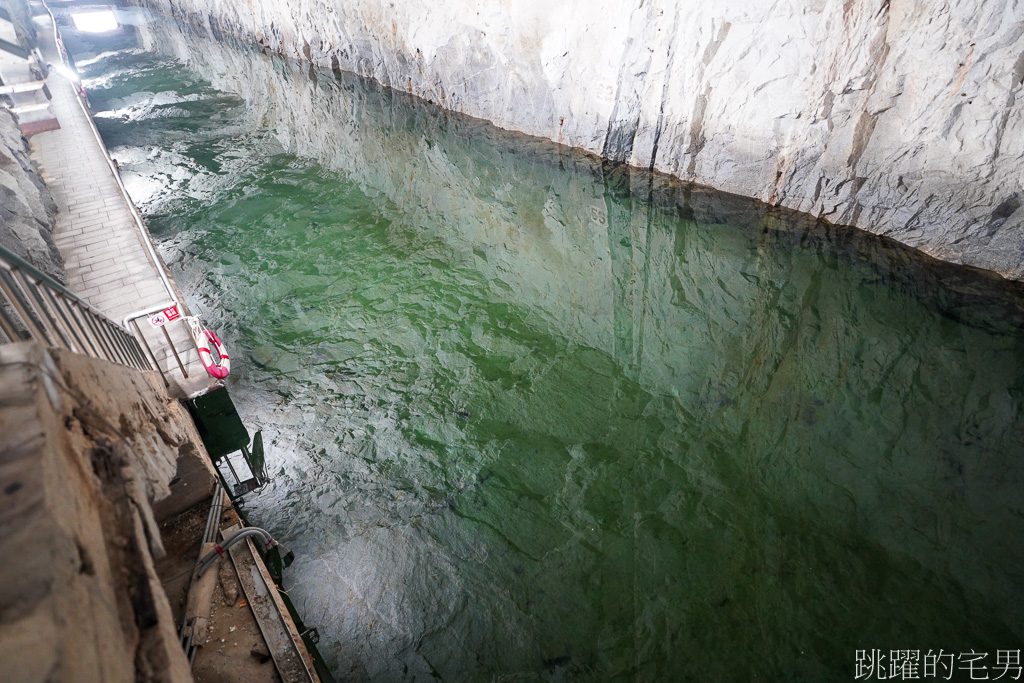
(533, 416)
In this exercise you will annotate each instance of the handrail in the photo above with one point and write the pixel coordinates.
(14, 49)
(18, 88)
(133, 320)
(52, 314)
(145, 312)
(11, 258)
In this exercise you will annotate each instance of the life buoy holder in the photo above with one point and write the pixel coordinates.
(203, 339)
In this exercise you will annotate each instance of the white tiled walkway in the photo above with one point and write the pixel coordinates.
(106, 261)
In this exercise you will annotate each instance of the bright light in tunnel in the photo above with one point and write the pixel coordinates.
(95, 21)
(62, 70)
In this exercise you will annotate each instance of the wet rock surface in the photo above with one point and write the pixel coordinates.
(904, 119)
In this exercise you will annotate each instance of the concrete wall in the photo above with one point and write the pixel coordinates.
(902, 117)
(86, 446)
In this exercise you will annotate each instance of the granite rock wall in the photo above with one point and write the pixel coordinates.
(905, 117)
(27, 209)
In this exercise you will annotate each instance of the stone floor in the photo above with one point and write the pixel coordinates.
(102, 242)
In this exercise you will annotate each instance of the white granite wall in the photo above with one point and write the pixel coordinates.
(902, 117)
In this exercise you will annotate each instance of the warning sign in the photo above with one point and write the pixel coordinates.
(165, 316)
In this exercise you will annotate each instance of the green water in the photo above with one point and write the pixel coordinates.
(534, 418)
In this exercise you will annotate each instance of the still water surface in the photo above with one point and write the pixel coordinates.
(535, 418)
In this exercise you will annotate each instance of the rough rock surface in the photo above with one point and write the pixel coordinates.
(26, 208)
(85, 447)
(903, 118)
(20, 15)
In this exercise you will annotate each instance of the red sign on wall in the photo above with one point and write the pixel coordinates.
(165, 316)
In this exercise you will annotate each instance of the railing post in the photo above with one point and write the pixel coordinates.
(77, 322)
(43, 297)
(156, 363)
(138, 360)
(31, 289)
(10, 286)
(174, 350)
(141, 362)
(122, 353)
(8, 327)
(57, 306)
(112, 353)
(100, 342)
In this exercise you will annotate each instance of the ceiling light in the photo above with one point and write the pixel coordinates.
(95, 21)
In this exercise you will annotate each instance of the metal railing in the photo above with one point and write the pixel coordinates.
(39, 307)
(131, 321)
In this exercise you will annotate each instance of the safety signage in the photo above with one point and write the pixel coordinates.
(165, 316)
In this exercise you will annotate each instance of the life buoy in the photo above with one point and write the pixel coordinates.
(220, 369)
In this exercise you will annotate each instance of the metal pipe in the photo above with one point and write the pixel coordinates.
(211, 556)
(213, 519)
(147, 312)
(209, 536)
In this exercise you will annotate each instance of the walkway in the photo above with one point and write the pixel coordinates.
(107, 260)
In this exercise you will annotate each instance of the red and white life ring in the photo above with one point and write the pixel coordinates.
(221, 368)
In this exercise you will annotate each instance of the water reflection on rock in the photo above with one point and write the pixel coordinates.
(534, 415)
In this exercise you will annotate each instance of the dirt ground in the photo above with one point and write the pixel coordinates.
(234, 649)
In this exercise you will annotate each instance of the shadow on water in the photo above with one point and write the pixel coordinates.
(538, 417)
